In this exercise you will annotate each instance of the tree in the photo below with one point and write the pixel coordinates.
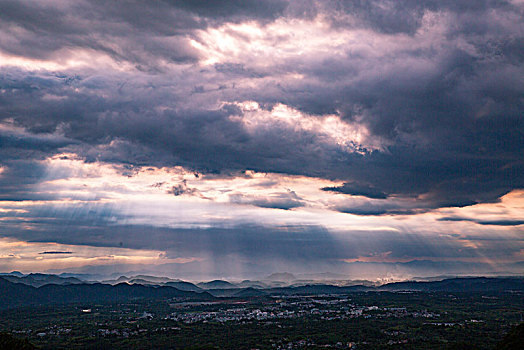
(8, 342)
(514, 340)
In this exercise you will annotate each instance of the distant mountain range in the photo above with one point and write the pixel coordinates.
(40, 279)
(281, 276)
(478, 284)
(357, 270)
(41, 289)
(217, 284)
(187, 286)
(20, 294)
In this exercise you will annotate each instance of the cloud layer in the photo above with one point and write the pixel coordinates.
(389, 108)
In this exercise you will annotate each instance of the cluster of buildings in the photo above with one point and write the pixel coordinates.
(293, 307)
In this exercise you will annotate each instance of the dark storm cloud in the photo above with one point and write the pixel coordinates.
(38, 30)
(123, 128)
(132, 31)
(501, 222)
(455, 123)
(349, 188)
(20, 153)
(19, 180)
(181, 189)
(390, 16)
(234, 9)
(450, 113)
(53, 252)
(386, 207)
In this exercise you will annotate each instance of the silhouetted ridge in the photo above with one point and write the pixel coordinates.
(216, 284)
(17, 294)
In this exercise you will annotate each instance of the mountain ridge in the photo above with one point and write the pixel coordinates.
(20, 294)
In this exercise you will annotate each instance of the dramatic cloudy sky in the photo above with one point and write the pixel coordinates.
(379, 138)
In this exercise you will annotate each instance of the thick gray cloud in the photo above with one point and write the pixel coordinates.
(128, 31)
(449, 113)
(389, 16)
(182, 189)
(356, 190)
(500, 222)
